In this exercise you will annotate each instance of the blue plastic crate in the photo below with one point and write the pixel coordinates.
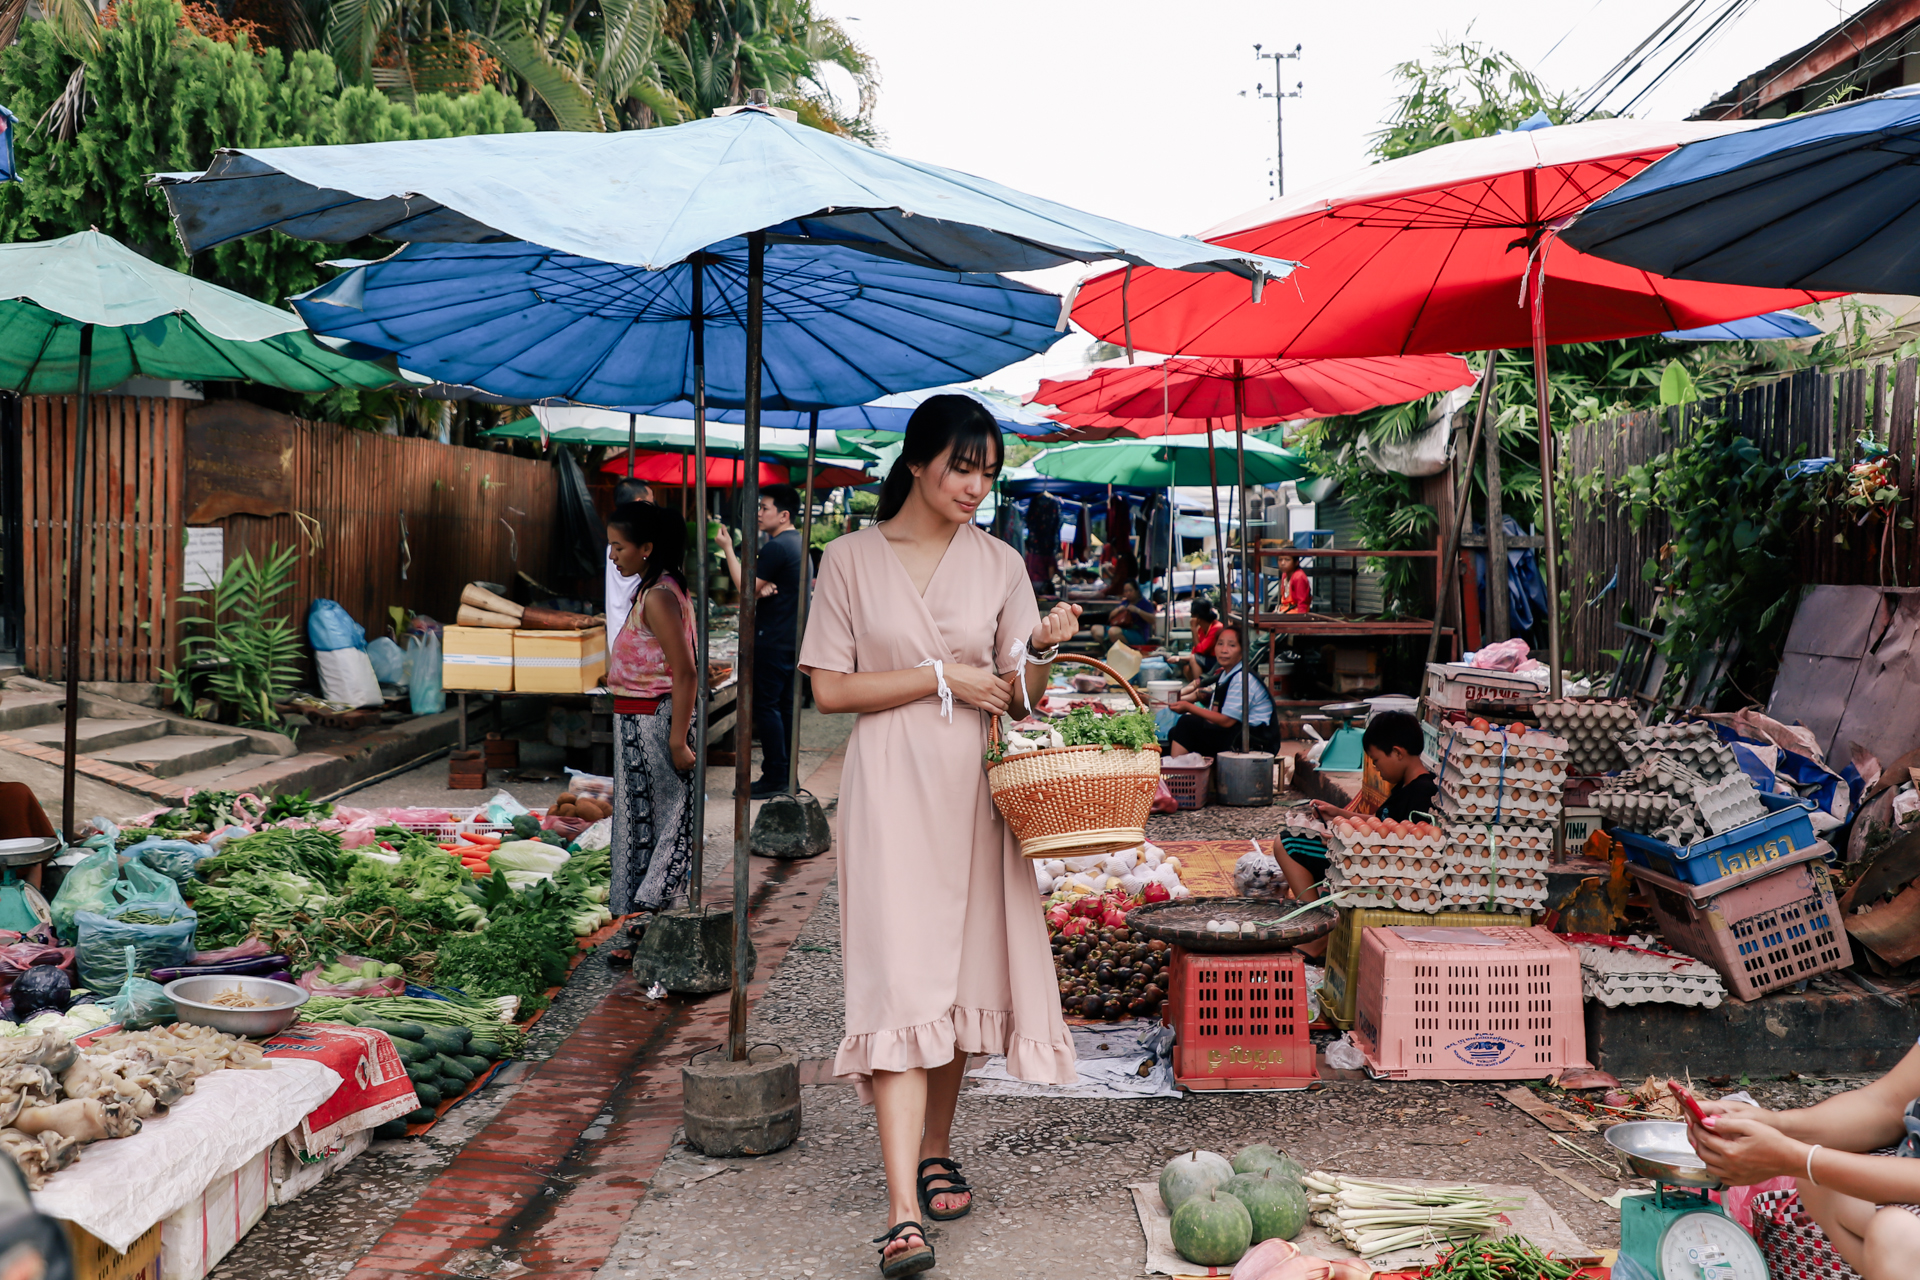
(1788, 828)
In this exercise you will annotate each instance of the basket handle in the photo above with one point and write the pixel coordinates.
(994, 733)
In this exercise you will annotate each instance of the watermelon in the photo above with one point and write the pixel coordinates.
(1275, 1202)
(1212, 1229)
(1261, 1156)
(1187, 1175)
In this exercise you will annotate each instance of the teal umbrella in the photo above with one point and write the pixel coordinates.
(1161, 461)
(84, 312)
(579, 424)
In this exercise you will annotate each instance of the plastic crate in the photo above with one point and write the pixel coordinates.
(1340, 993)
(1762, 929)
(1240, 1021)
(1788, 829)
(1454, 1011)
(1187, 783)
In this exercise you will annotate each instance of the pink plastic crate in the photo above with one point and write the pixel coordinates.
(1451, 1011)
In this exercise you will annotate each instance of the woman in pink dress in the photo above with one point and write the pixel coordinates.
(921, 624)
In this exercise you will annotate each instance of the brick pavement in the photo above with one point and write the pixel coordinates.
(552, 1180)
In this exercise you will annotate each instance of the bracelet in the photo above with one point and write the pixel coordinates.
(1810, 1150)
(940, 683)
(1019, 655)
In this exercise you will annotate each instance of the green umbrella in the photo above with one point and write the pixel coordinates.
(1162, 461)
(574, 425)
(84, 312)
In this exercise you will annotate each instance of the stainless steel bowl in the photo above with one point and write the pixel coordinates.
(191, 995)
(1659, 1149)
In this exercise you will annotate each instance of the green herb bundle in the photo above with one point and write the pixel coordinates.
(1089, 727)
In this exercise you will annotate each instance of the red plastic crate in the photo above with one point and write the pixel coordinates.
(1187, 783)
(1450, 1011)
(1240, 1021)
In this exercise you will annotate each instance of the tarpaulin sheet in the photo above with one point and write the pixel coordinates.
(121, 1187)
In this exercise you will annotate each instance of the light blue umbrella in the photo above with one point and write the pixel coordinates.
(1771, 327)
(521, 321)
(888, 414)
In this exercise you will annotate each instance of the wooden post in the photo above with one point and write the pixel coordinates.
(1497, 600)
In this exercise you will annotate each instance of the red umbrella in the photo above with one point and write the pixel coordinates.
(1451, 249)
(722, 473)
(1193, 390)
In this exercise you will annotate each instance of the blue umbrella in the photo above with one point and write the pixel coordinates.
(887, 414)
(841, 326)
(1770, 327)
(1828, 201)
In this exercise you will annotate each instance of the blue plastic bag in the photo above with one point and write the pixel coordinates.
(174, 859)
(102, 942)
(389, 664)
(331, 627)
(423, 657)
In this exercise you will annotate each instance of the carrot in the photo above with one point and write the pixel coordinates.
(480, 838)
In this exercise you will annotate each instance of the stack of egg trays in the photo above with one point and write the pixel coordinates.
(1374, 851)
(1731, 802)
(1641, 812)
(1692, 744)
(1473, 892)
(1593, 730)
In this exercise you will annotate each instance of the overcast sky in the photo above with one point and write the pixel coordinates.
(1132, 108)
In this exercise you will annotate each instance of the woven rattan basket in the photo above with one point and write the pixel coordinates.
(1071, 802)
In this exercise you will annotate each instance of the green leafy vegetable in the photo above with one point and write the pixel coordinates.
(1088, 727)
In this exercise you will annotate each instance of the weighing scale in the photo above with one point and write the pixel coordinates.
(1344, 754)
(1675, 1232)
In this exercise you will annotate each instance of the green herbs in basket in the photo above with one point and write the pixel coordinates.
(1082, 727)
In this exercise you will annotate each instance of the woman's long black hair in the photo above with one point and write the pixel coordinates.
(643, 522)
(960, 421)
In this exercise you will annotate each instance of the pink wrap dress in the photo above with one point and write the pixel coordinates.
(942, 937)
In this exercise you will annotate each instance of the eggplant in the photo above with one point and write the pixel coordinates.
(244, 967)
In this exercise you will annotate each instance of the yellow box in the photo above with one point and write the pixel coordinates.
(559, 661)
(477, 658)
(95, 1259)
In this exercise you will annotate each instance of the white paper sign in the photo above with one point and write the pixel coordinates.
(206, 557)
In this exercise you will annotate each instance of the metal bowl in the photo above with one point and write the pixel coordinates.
(27, 850)
(1659, 1149)
(190, 997)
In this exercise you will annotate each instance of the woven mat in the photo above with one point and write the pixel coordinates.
(1206, 866)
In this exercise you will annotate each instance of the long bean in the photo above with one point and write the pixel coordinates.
(482, 1020)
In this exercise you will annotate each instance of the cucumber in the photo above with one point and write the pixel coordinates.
(391, 1129)
(412, 1050)
(428, 1095)
(465, 1035)
(424, 1115)
(423, 1072)
(488, 1049)
(441, 1040)
(398, 1030)
(449, 1067)
(474, 1063)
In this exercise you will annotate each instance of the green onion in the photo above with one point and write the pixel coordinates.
(1372, 1218)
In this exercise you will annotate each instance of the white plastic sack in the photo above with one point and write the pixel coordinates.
(1425, 452)
(346, 677)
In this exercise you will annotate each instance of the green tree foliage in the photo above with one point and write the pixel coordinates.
(160, 96)
(1465, 90)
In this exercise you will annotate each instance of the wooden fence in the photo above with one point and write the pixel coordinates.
(1812, 414)
(379, 520)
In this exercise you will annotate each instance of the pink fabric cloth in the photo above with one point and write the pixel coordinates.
(944, 946)
(637, 665)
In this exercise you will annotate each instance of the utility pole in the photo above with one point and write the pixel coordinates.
(1279, 93)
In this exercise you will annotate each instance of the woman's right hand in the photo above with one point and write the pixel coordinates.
(683, 758)
(979, 688)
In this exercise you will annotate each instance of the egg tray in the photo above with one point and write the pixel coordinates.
(1434, 870)
(1637, 811)
(1488, 770)
(1499, 807)
(1732, 802)
(1303, 821)
(1431, 899)
(1460, 741)
(1381, 834)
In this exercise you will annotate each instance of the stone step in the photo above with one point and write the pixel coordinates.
(175, 754)
(22, 710)
(95, 735)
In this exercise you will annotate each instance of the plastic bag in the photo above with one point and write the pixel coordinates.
(141, 1003)
(423, 660)
(100, 951)
(1344, 1055)
(174, 859)
(88, 887)
(330, 627)
(389, 664)
(346, 678)
(312, 981)
(141, 888)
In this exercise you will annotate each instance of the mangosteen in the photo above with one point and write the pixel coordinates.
(1079, 952)
(1090, 1007)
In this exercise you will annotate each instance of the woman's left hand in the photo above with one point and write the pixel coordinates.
(1741, 1151)
(1060, 625)
(683, 758)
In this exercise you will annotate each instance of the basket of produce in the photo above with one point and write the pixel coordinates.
(1087, 786)
(1232, 924)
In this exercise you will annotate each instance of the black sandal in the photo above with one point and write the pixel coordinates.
(956, 1186)
(908, 1262)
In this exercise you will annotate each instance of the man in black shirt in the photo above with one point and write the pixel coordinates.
(778, 586)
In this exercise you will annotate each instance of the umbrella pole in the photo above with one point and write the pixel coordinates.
(743, 722)
(701, 590)
(1443, 583)
(76, 574)
(633, 423)
(800, 606)
(1248, 602)
(1550, 555)
(1219, 538)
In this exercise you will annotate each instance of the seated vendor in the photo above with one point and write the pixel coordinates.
(1867, 1203)
(1206, 629)
(1393, 743)
(1208, 730)
(1132, 619)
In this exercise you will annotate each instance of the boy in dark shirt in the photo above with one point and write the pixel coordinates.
(1393, 743)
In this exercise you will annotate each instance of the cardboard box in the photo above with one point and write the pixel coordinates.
(205, 1230)
(477, 658)
(1356, 662)
(95, 1259)
(294, 1175)
(1453, 686)
(559, 661)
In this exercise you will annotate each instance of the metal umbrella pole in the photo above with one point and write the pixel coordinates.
(1443, 586)
(800, 606)
(1219, 537)
(76, 574)
(1247, 600)
(633, 425)
(1550, 553)
(700, 588)
(743, 731)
